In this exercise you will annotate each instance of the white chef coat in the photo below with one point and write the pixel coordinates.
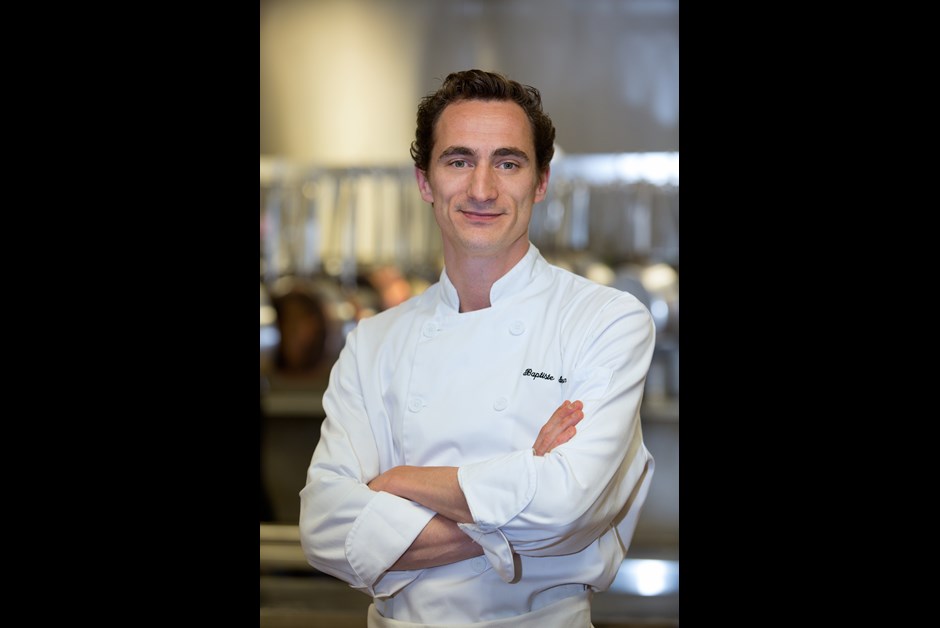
(423, 384)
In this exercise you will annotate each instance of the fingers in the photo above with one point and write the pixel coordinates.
(560, 427)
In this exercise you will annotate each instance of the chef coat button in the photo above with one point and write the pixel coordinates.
(415, 404)
(478, 564)
(430, 329)
(516, 328)
(501, 403)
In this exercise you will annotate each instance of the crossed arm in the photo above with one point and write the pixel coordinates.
(441, 542)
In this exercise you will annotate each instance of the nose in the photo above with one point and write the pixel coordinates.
(482, 184)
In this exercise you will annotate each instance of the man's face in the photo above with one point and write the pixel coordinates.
(482, 179)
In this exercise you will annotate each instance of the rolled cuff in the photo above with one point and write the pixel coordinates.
(496, 548)
(385, 528)
(498, 489)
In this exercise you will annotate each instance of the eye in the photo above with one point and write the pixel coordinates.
(508, 165)
(459, 163)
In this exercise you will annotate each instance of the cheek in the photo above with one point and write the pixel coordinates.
(437, 192)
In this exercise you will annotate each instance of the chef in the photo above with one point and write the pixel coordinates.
(482, 462)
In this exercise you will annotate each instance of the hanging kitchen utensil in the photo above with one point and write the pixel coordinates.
(311, 311)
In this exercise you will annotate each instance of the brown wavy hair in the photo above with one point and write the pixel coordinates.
(482, 85)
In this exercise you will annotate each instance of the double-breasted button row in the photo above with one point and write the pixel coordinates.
(432, 328)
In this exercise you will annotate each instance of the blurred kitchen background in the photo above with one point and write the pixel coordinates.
(343, 233)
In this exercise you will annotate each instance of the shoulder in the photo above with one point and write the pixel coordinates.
(585, 292)
(590, 312)
(393, 319)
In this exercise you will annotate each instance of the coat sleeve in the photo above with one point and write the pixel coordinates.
(563, 501)
(346, 529)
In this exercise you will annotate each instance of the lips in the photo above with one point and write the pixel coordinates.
(479, 215)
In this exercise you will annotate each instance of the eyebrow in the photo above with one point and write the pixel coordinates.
(509, 151)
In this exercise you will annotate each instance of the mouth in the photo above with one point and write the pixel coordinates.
(480, 216)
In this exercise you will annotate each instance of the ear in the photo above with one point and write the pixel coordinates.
(542, 187)
(424, 186)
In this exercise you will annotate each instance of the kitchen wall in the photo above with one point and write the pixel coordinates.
(340, 79)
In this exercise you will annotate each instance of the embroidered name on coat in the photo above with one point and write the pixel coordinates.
(541, 375)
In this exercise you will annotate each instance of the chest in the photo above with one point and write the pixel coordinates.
(476, 386)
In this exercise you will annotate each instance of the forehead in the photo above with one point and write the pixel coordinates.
(483, 125)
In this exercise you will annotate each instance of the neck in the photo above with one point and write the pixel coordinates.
(473, 276)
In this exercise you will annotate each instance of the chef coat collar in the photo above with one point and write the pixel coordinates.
(519, 278)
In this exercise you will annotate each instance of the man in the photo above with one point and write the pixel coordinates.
(455, 480)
